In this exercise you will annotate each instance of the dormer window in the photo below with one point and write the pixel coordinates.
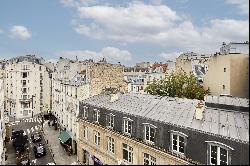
(85, 112)
(218, 153)
(110, 120)
(178, 142)
(96, 115)
(127, 125)
(149, 133)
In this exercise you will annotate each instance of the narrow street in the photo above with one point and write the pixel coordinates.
(55, 152)
(29, 126)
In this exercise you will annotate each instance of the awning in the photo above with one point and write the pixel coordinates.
(96, 160)
(64, 136)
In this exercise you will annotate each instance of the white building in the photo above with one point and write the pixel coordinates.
(28, 86)
(235, 48)
(2, 123)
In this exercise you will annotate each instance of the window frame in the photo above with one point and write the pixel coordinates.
(110, 120)
(85, 112)
(151, 159)
(97, 137)
(219, 146)
(130, 152)
(145, 133)
(178, 134)
(110, 145)
(127, 120)
(96, 115)
(85, 133)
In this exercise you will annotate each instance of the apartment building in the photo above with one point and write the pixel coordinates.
(27, 86)
(235, 47)
(228, 74)
(139, 77)
(2, 124)
(139, 129)
(74, 81)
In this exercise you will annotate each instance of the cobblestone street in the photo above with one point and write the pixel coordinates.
(60, 155)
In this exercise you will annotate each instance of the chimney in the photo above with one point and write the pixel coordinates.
(200, 108)
(114, 97)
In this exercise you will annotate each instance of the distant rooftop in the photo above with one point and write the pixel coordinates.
(178, 112)
(28, 58)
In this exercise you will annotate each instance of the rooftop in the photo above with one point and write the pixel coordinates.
(179, 112)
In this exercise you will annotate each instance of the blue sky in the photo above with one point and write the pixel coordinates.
(126, 31)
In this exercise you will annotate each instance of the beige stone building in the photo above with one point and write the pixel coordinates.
(27, 86)
(74, 81)
(2, 124)
(228, 74)
(140, 153)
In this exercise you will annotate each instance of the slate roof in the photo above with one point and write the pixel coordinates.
(179, 112)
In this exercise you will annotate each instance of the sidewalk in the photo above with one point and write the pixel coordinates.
(60, 155)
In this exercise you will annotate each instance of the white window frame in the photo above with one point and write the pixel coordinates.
(85, 132)
(125, 125)
(219, 146)
(178, 134)
(151, 159)
(130, 156)
(149, 126)
(111, 145)
(85, 112)
(97, 138)
(96, 115)
(111, 120)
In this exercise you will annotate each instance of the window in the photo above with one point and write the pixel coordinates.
(24, 83)
(110, 120)
(96, 115)
(127, 125)
(24, 75)
(224, 87)
(148, 159)
(219, 154)
(111, 145)
(150, 133)
(97, 138)
(85, 112)
(225, 69)
(85, 133)
(128, 153)
(178, 141)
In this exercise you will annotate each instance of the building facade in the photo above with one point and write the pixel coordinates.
(27, 86)
(134, 128)
(74, 81)
(2, 124)
(228, 74)
(234, 47)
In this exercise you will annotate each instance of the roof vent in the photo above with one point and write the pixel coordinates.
(200, 107)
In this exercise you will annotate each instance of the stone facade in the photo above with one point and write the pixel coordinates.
(116, 158)
(26, 76)
(228, 74)
(2, 124)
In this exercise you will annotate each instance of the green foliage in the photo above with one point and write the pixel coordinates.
(178, 84)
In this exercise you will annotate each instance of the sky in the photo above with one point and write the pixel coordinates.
(126, 31)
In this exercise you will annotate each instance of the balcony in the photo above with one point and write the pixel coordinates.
(25, 100)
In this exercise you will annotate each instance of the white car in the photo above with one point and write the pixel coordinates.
(51, 164)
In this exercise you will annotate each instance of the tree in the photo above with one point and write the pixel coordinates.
(178, 84)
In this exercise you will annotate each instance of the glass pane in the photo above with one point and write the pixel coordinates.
(146, 162)
(223, 156)
(213, 154)
(125, 154)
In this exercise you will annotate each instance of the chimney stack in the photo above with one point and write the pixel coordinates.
(199, 111)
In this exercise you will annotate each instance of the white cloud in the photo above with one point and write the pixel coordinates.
(112, 55)
(170, 56)
(77, 3)
(20, 32)
(243, 5)
(155, 23)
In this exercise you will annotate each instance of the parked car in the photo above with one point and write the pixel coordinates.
(36, 137)
(39, 151)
